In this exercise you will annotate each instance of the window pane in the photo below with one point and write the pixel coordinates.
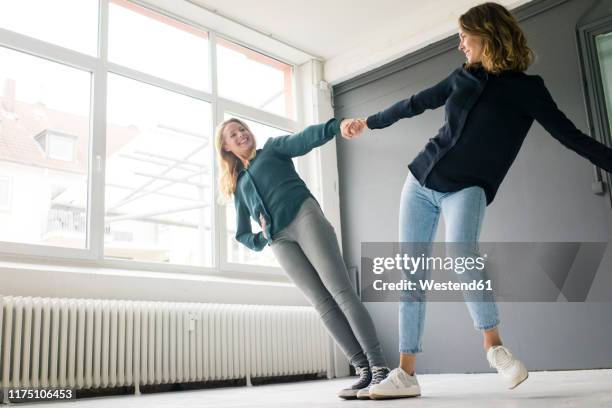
(254, 79)
(158, 175)
(158, 45)
(604, 51)
(68, 23)
(61, 147)
(48, 195)
(237, 252)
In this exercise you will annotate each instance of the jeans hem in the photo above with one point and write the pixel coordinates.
(488, 326)
(413, 351)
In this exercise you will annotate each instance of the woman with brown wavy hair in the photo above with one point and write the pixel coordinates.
(490, 104)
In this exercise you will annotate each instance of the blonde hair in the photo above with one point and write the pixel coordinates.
(229, 166)
(504, 46)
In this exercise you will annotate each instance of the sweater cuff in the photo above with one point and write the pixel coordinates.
(260, 241)
(336, 126)
(371, 122)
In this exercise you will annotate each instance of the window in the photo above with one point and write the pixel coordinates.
(50, 21)
(254, 79)
(57, 145)
(49, 169)
(106, 141)
(595, 47)
(604, 55)
(159, 165)
(150, 42)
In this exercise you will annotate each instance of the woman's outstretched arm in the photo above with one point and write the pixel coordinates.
(543, 108)
(311, 137)
(430, 98)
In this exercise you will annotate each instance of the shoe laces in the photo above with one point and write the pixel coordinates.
(364, 377)
(502, 358)
(362, 372)
(379, 374)
(396, 377)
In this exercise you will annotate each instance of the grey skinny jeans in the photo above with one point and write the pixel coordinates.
(308, 251)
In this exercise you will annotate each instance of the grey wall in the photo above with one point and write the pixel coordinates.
(546, 196)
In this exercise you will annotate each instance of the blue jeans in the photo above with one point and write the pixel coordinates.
(463, 213)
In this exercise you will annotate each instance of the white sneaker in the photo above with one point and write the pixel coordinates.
(378, 375)
(398, 384)
(511, 369)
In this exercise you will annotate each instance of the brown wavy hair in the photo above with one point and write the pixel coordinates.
(504, 46)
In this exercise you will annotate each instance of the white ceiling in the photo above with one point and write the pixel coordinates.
(352, 36)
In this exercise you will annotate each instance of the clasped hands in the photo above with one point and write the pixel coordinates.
(351, 128)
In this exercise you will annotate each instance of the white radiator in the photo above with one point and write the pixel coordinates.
(86, 343)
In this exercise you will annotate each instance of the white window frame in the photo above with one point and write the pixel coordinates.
(99, 67)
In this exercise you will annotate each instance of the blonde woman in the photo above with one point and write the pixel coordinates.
(490, 104)
(266, 188)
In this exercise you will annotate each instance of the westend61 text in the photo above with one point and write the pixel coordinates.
(430, 284)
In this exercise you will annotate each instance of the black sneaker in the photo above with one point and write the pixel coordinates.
(378, 374)
(365, 377)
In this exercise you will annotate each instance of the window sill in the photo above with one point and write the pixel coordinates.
(273, 280)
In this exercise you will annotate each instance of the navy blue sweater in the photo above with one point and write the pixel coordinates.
(487, 117)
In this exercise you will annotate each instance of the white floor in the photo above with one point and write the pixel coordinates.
(585, 388)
